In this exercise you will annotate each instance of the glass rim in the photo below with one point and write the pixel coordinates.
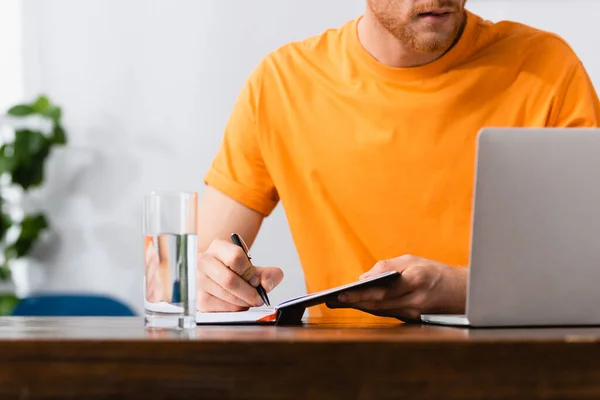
(171, 193)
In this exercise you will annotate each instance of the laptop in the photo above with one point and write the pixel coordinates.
(535, 239)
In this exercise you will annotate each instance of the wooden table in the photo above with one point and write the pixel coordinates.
(94, 358)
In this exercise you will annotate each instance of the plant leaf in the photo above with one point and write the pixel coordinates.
(7, 159)
(32, 225)
(31, 228)
(31, 154)
(55, 113)
(41, 105)
(20, 110)
(4, 273)
(28, 144)
(5, 224)
(8, 302)
(29, 175)
(59, 136)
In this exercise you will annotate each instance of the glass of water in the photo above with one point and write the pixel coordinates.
(170, 259)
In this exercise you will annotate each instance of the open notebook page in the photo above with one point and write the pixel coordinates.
(252, 315)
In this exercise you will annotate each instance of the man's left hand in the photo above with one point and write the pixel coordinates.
(424, 287)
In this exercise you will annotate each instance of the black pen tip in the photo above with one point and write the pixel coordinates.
(263, 295)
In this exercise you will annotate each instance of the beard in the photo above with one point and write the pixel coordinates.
(410, 28)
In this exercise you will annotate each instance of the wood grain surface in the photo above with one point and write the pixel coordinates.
(101, 358)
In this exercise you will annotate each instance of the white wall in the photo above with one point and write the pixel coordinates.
(11, 82)
(147, 87)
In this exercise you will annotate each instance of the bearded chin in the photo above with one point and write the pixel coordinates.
(427, 45)
(424, 42)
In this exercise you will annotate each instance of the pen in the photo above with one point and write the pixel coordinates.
(237, 240)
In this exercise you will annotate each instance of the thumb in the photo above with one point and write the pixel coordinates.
(379, 268)
(270, 277)
(395, 264)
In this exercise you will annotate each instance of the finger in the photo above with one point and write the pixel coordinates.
(229, 280)
(209, 286)
(369, 294)
(209, 303)
(234, 258)
(398, 288)
(270, 277)
(410, 301)
(389, 304)
(404, 314)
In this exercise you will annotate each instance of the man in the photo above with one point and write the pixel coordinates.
(366, 134)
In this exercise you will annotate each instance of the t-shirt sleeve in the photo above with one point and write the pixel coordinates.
(578, 106)
(238, 169)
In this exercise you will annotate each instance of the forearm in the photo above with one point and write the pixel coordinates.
(219, 216)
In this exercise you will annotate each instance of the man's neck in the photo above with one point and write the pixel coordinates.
(387, 49)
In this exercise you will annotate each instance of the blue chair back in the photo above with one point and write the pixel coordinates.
(61, 305)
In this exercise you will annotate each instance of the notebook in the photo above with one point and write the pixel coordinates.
(289, 312)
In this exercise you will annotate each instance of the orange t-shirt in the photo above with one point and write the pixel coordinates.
(372, 162)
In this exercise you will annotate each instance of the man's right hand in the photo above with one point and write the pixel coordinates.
(227, 280)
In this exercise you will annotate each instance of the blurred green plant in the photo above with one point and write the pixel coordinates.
(23, 159)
